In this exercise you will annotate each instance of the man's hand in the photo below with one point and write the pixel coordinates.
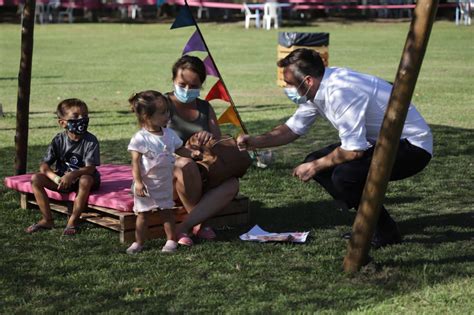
(305, 171)
(204, 136)
(244, 142)
(280, 135)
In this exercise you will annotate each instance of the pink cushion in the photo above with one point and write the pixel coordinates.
(114, 191)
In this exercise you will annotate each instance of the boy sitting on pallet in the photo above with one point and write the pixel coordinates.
(75, 153)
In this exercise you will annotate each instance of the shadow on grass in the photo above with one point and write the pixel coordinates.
(33, 77)
(57, 129)
(65, 82)
(92, 113)
(299, 216)
(461, 259)
(437, 226)
(453, 149)
(264, 107)
(437, 229)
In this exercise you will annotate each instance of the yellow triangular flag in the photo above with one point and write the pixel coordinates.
(229, 116)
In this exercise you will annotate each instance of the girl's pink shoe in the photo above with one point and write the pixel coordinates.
(184, 239)
(206, 233)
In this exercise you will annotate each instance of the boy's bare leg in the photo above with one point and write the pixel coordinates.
(80, 203)
(39, 182)
(168, 223)
(141, 227)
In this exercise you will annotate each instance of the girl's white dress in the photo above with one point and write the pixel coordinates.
(156, 167)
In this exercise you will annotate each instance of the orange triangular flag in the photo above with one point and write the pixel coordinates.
(218, 92)
(229, 116)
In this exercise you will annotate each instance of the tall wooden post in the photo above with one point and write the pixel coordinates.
(387, 143)
(24, 82)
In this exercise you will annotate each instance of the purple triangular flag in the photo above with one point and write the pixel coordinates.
(195, 43)
(184, 18)
(210, 69)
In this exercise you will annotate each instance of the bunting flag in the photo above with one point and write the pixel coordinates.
(195, 43)
(184, 18)
(219, 92)
(230, 116)
(210, 69)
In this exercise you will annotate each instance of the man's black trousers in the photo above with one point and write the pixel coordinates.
(346, 181)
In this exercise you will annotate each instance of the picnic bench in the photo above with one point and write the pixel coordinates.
(111, 206)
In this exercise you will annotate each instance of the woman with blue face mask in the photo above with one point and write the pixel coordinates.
(191, 115)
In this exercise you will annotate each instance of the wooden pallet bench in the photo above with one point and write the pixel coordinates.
(110, 207)
(235, 214)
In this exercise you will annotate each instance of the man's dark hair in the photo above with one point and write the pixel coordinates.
(303, 62)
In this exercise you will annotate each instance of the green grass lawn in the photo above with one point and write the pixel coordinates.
(431, 272)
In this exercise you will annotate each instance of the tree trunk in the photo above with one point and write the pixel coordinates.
(389, 137)
(24, 82)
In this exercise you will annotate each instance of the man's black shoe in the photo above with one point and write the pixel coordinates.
(347, 235)
(378, 240)
(381, 239)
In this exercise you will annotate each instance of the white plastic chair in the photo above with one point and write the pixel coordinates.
(40, 13)
(271, 11)
(52, 9)
(67, 13)
(201, 10)
(463, 12)
(134, 11)
(123, 9)
(251, 15)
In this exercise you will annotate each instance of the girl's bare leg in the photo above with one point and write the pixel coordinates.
(169, 223)
(141, 227)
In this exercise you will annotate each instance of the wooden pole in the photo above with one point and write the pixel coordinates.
(244, 129)
(24, 82)
(387, 143)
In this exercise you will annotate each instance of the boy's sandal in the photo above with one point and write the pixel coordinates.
(36, 228)
(69, 231)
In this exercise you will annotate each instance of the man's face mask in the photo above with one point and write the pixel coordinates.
(294, 96)
(185, 95)
(78, 126)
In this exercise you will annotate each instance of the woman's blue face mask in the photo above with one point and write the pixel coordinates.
(294, 96)
(185, 95)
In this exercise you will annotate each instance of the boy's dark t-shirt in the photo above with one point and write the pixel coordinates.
(71, 155)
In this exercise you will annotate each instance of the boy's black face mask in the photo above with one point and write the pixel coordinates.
(78, 126)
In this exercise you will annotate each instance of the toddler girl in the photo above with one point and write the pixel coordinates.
(152, 149)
